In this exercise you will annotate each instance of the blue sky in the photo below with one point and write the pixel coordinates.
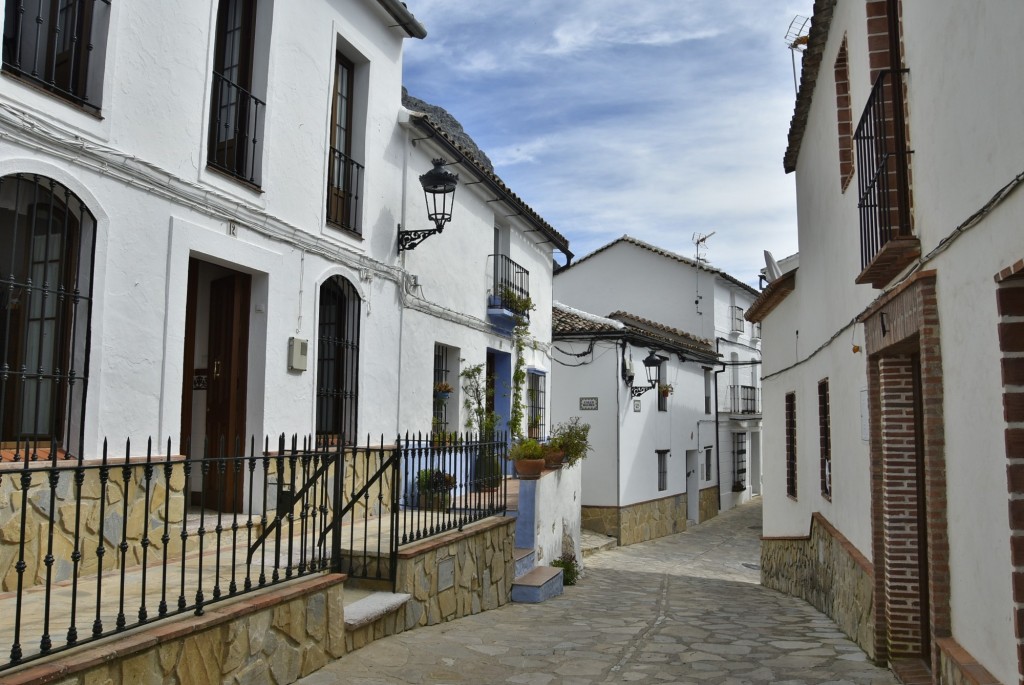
(653, 118)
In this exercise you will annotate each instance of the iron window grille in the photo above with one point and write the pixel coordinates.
(344, 174)
(536, 398)
(511, 285)
(708, 469)
(235, 112)
(739, 459)
(337, 377)
(439, 420)
(47, 244)
(883, 185)
(662, 469)
(738, 323)
(825, 439)
(58, 45)
(791, 444)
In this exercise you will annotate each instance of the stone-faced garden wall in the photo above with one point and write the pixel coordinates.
(828, 572)
(638, 522)
(709, 502)
(459, 573)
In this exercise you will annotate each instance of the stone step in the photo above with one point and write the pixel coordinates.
(526, 559)
(373, 606)
(540, 584)
(592, 543)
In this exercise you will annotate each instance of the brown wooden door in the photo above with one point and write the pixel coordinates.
(226, 392)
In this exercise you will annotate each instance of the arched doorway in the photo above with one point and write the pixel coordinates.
(337, 363)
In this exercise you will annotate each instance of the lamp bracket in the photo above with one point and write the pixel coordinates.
(636, 392)
(408, 240)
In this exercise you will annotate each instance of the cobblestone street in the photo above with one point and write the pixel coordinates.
(682, 609)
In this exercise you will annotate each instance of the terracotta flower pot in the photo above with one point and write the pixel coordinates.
(553, 459)
(529, 469)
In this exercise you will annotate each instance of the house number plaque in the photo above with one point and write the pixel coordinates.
(588, 404)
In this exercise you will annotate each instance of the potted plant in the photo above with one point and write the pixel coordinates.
(554, 455)
(442, 390)
(573, 438)
(665, 389)
(528, 458)
(434, 487)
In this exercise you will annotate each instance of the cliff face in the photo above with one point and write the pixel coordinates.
(449, 125)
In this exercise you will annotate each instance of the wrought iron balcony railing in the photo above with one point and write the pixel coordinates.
(744, 399)
(511, 286)
(234, 144)
(344, 183)
(886, 238)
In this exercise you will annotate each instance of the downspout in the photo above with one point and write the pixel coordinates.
(402, 285)
(718, 441)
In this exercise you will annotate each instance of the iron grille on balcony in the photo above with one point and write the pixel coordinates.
(887, 243)
(58, 46)
(511, 286)
(744, 399)
(344, 181)
(234, 130)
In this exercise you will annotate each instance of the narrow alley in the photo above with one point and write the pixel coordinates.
(687, 608)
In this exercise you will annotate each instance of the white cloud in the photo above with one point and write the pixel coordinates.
(656, 119)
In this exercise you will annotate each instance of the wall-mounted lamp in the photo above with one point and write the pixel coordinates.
(652, 365)
(439, 192)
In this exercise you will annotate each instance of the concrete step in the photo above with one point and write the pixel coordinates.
(526, 559)
(592, 543)
(540, 584)
(372, 606)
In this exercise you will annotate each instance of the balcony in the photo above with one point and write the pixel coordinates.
(744, 400)
(235, 125)
(344, 182)
(887, 242)
(510, 291)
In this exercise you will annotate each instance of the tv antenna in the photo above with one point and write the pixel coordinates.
(700, 244)
(796, 41)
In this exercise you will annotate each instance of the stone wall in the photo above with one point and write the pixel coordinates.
(166, 500)
(459, 573)
(709, 504)
(956, 666)
(827, 571)
(274, 637)
(638, 522)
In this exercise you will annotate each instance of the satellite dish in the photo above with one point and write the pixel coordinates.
(771, 267)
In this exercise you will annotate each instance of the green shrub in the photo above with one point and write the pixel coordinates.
(570, 568)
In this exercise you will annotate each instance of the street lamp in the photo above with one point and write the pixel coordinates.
(439, 192)
(652, 365)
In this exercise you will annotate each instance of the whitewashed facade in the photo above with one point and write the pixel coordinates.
(893, 358)
(236, 173)
(718, 393)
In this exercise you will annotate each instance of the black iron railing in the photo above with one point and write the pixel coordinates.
(744, 399)
(880, 139)
(235, 121)
(344, 181)
(100, 547)
(511, 285)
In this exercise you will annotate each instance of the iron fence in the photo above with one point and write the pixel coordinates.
(344, 181)
(235, 125)
(97, 547)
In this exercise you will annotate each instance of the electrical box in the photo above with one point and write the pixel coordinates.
(298, 350)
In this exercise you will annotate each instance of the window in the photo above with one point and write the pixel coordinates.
(337, 367)
(236, 114)
(662, 393)
(707, 391)
(791, 444)
(739, 460)
(825, 438)
(535, 401)
(662, 469)
(755, 332)
(47, 240)
(738, 323)
(844, 114)
(58, 45)
(442, 379)
(708, 464)
(344, 174)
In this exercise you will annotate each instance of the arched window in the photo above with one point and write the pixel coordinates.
(47, 239)
(337, 363)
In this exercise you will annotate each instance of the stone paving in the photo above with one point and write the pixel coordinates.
(682, 609)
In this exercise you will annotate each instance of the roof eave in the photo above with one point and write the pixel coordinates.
(401, 14)
(821, 21)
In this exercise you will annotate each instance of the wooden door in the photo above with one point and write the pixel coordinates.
(226, 390)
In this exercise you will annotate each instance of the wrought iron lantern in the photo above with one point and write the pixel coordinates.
(652, 365)
(439, 192)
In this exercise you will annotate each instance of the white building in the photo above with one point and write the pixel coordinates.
(200, 215)
(892, 374)
(671, 295)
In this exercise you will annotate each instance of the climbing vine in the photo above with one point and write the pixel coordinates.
(520, 306)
